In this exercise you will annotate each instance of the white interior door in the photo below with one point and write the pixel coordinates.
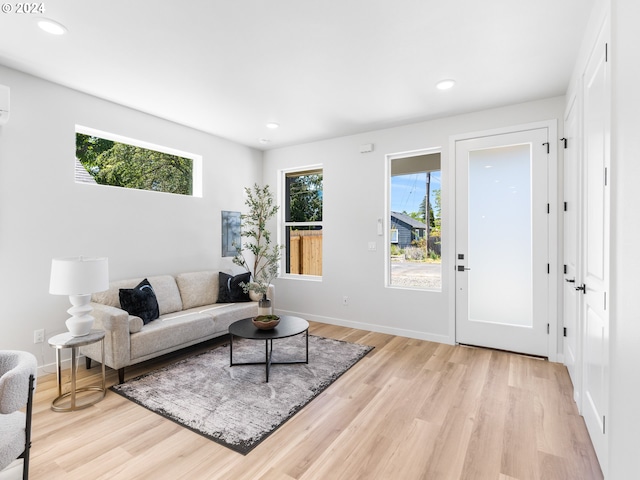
(571, 218)
(502, 241)
(595, 256)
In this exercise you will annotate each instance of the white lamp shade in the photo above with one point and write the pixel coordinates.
(79, 275)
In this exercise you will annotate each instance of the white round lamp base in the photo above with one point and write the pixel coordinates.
(79, 327)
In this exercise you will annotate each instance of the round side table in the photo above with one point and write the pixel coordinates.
(76, 398)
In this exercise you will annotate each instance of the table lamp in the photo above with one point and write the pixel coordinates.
(79, 277)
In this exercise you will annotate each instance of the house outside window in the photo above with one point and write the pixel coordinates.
(415, 221)
(303, 202)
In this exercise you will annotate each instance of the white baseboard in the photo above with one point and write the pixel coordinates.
(400, 332)
(50, 368)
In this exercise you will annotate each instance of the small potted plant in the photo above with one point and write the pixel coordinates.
(266, 257)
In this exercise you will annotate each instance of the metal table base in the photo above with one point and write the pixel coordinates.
(76, 399)
(269, 336)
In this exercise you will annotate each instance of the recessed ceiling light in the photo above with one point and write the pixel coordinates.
(51, 26)
(445, 84)
(272, 125)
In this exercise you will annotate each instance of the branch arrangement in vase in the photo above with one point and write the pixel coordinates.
(266, 257)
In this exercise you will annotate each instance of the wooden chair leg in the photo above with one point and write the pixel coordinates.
(87, 362)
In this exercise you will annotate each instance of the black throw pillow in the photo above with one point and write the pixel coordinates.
(230, 290)
(140, 301)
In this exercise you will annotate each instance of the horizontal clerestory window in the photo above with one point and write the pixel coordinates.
(107, 159)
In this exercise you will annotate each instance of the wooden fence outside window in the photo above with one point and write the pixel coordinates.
(305, 252)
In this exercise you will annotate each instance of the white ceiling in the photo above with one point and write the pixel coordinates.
(319, 68)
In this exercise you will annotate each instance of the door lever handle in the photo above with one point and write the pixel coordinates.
(462, 268)
(570, 280)
(582, 287)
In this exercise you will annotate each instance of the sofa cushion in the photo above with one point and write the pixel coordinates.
(181, 328)
(111, 296)
(232, 313)
(168, 331)
(140, 301)
(230, 291)
(167, 293)
(198, 288)
(165, 286)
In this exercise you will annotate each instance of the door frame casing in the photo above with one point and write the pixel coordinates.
(555, 268)
(573, 106)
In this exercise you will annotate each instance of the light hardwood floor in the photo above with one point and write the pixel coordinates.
(410, 409)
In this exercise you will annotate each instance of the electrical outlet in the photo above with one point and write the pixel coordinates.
(38, 336)
(345, 301)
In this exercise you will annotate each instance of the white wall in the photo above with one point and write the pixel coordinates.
(354, 186)
(624, 394)
(45, 214)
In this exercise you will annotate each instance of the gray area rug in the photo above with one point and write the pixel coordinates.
(234, 406)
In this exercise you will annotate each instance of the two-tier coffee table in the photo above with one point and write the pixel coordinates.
(288, 327)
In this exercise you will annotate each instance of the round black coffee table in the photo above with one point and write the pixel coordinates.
(288, 327)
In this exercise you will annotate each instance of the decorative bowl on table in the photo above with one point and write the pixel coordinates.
(266, 322)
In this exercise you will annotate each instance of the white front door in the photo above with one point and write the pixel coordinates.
(502, 250)
(571, 297)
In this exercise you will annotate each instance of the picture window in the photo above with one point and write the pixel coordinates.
(303, 206)
(415, 222)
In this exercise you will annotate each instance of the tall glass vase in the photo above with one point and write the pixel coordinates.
(264, 306)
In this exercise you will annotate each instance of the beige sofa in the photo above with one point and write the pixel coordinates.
(188, 311)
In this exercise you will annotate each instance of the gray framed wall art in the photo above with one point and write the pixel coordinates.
(231, 225)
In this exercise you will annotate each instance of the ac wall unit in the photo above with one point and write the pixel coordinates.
(4, 104)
